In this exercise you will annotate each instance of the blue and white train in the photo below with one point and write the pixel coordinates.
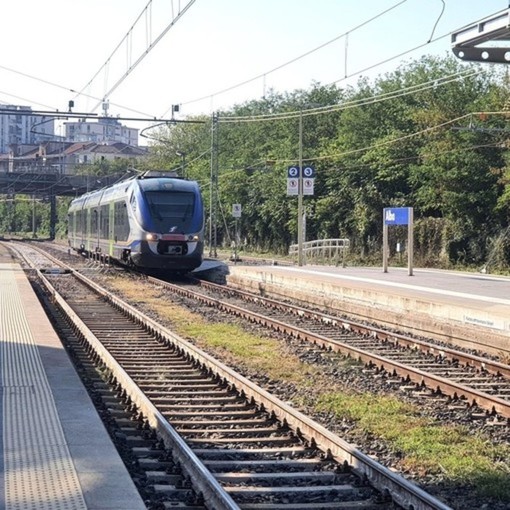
(154, 223)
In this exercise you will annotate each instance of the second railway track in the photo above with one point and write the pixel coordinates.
(479, 380)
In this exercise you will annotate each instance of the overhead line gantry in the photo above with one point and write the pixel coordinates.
(487, 40)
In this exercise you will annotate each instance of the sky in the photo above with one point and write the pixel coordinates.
(54, 49)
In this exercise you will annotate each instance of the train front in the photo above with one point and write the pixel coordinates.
(172, 219)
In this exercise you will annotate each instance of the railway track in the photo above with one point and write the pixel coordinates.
(239, 446)
(476, 379)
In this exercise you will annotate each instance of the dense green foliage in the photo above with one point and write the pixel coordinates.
(414, 138)
(407, 139)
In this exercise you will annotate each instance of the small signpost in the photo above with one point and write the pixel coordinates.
(398, 216)
(236, 210)
(300, 182)
(236, 213)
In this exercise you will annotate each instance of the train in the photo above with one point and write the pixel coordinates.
(150, 222)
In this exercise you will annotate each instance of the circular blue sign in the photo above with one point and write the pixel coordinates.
(293, 171)
(308, 171)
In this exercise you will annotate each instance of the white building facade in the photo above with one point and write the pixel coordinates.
(105, 130)
(18, 126)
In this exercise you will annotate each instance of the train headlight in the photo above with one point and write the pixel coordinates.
(152, 237)
(193, 238)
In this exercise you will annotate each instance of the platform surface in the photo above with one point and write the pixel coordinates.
(54, 450)
(473, 307)
(462, 285)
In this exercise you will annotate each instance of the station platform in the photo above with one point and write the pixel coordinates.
(471, 310)
(55, 452)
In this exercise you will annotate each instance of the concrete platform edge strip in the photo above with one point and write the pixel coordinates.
(38, 468)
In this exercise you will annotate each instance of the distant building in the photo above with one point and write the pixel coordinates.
(105, 131)
(65, 157)
(18, 126)
(90, 153)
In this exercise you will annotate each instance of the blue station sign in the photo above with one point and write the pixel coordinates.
(295, 171)
(396, 215)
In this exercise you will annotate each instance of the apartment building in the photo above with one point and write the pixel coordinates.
(104, 131)
(19, 125)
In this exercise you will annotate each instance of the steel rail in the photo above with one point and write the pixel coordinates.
(489, 402)
(401, 490)
(491, 366)
(215, 497)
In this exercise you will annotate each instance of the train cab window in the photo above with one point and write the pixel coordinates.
(171, 210)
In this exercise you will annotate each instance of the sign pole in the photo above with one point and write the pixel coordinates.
(300, 192)
(235, 242)
(300, 182)
(385, 247)
(236, 213)
(410, 242)
(398, 216)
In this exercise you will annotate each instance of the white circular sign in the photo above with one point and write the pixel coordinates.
(293, 171)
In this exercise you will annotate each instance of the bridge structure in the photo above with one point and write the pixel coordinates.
(48, 184)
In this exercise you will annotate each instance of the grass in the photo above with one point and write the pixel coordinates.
(426, 446)
(256, 352)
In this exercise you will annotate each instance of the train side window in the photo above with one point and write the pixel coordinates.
(94, 221)
(121, 223)
(105, 222)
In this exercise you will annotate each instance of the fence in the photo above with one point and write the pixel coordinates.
(323, 250)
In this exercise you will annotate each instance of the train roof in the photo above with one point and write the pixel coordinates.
(149, 181)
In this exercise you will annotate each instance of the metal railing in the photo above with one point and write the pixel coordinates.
(323, 250)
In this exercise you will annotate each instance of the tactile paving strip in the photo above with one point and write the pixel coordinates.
(38, 470)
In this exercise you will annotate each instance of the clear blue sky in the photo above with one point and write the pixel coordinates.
(215, 45)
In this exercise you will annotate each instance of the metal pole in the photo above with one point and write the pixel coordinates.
(213, 186)
(33, 216)
(235, 242)
(53, 216)
(300, 192)
(385, 245)
(410, 242)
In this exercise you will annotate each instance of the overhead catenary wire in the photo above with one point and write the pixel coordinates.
(151, 117)
(434, 83)
(23, 99)
(125, 38)
(70, 89)
(419, 156)
(345, 77)
(62, 87)
(395, 140)
(293, 60)
(437, 21)
(146, 52)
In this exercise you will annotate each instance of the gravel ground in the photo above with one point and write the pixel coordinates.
(337, 374)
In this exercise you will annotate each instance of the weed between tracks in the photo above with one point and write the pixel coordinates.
(425, 446)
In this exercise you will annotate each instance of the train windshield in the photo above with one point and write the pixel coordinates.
(171, 211)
